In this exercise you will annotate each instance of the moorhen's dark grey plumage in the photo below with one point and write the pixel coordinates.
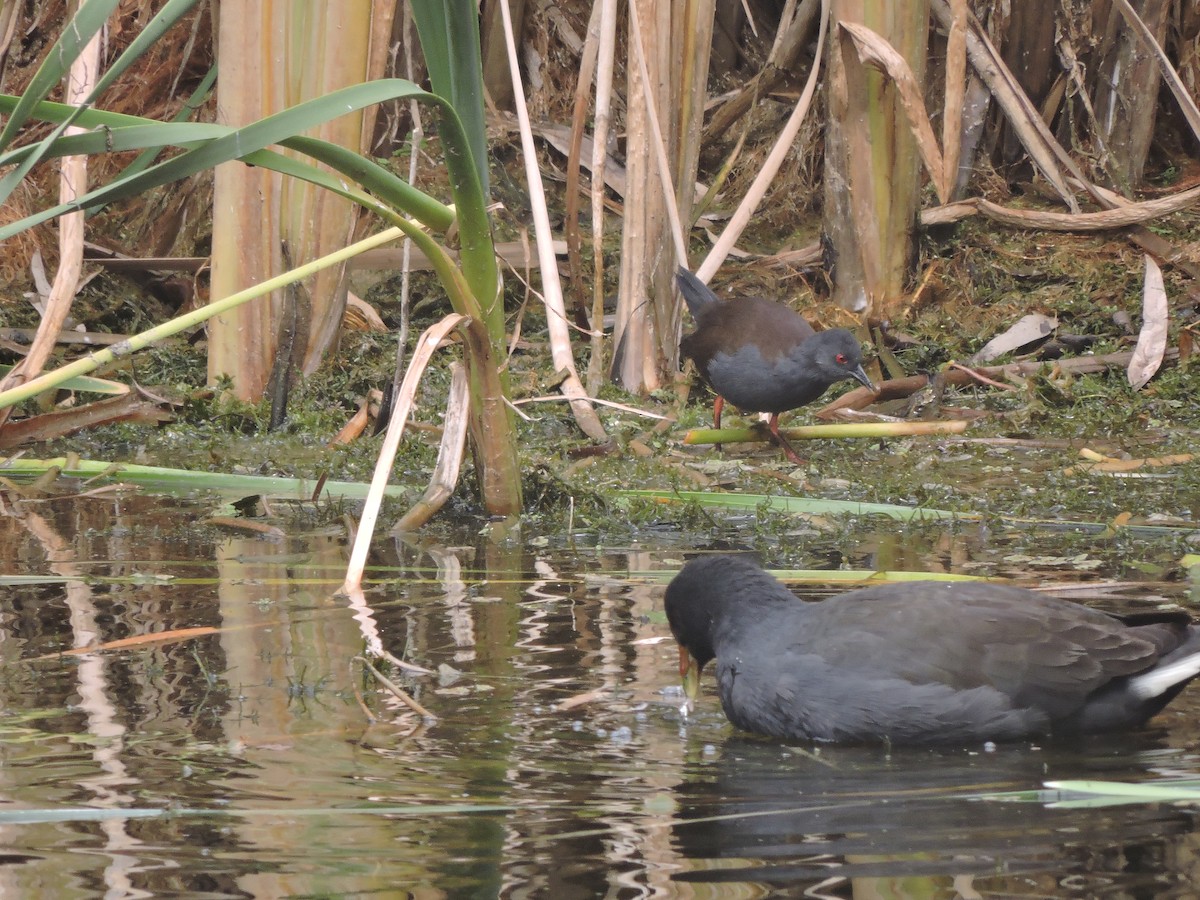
(763, 356)
(924, 662)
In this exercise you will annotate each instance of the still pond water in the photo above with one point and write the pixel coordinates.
(237, 760)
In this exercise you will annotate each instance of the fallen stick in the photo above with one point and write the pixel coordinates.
(818, 432)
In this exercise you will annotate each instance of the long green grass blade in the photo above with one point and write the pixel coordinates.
(433, 30)
(193, 103)
(83, 383)
(1150, 793)
(239, 143)
(83, 25)
(868, 576)
(390, 190)
(50, 111)
(90, 19)
(121, 133)
(824, 432)
(93, 14)
(840, 576)
(100, 357)
(395, 192)
(1086, 794)
(449, 32)
(152, 136)
(467, 62)
(183, 481)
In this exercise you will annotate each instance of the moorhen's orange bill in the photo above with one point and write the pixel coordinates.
(763, 356)
(924, 662)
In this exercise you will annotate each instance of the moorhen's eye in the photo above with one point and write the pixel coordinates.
(840, 359)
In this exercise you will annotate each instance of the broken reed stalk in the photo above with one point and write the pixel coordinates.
(427, 343)
(450, 455)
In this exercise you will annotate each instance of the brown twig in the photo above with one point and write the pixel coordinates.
(980, 377)
(898, 388)
(396, 691)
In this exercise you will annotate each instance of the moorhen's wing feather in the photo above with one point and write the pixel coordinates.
(800, 695)
(1035, 649)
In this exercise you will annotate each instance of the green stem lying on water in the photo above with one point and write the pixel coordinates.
(820, 432)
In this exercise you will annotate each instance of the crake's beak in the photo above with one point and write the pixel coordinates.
(861, 375)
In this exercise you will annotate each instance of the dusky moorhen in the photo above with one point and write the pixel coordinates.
(763, 356)
(923, 662)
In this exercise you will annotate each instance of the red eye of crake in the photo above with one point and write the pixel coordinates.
(840, 359)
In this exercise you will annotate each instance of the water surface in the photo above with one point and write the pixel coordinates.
(239, 762)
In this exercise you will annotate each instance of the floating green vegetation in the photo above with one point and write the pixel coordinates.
(182, 481)
(1085, 794)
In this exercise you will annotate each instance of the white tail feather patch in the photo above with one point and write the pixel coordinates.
(1156, 681)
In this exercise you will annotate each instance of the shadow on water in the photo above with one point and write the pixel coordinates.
(857, 821)
(235, 760)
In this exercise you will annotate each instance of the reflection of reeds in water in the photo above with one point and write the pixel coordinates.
(512, 787)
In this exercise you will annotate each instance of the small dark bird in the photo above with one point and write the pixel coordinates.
(762, 356)
(924, 662)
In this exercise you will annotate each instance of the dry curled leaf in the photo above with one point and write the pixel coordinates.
(1031, 328)
(1152, 339)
